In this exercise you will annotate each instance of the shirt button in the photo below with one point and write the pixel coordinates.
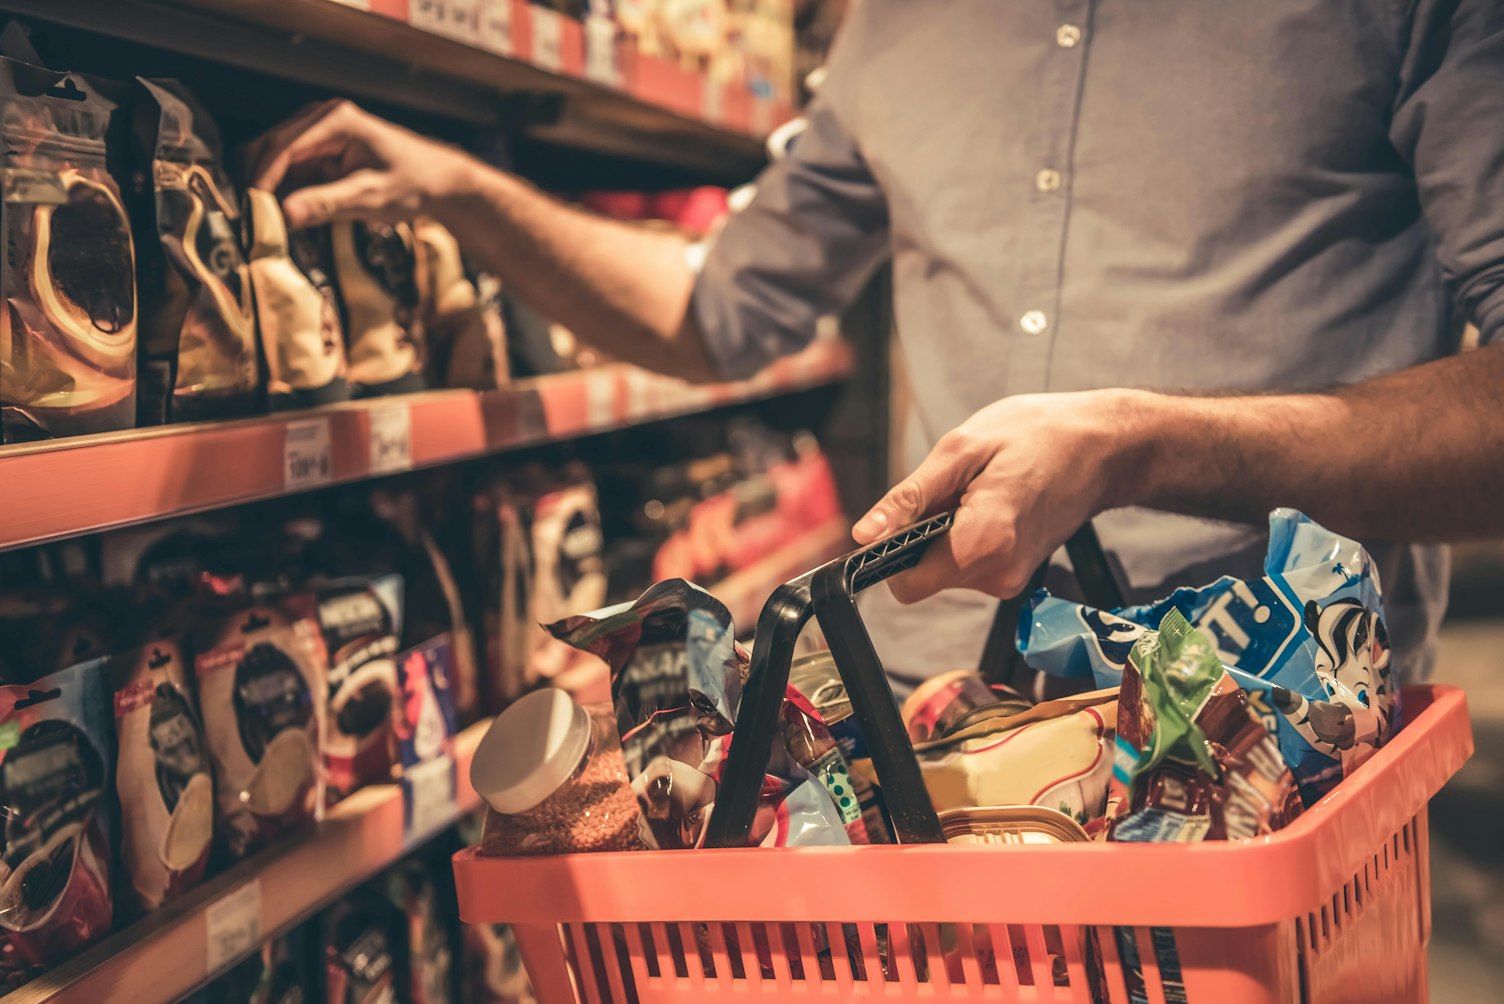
(1047, 180)
(1067, 35)
(1034, 322)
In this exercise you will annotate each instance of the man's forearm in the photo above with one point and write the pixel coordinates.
(622, 288)
(1417, 455)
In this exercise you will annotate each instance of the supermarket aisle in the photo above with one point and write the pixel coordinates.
(1467, 826)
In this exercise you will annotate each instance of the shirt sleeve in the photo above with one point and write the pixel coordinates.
(803, 248)
(1449, 125)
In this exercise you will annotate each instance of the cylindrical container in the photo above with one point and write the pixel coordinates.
(553, 774)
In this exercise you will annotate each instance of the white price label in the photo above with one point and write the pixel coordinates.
(495, 18)
(233, 925)
(600, 50)
(427, 14)
(712, 100)
(548, 38)
(306, 461)
(430, 795)
(462, 20)
(391, 438)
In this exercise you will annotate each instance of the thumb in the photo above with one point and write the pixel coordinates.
(355, 196)
(935, 483)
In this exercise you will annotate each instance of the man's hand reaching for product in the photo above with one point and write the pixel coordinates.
(1022, 474)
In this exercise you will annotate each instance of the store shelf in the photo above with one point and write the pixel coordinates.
(168, 954)
(458, 58)
(74, 486)
(745, 592)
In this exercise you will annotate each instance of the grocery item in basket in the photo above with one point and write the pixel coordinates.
(55, 761)
(376, 272)
(68, 327)
(815, 676)
(1055, 754)
(950, 702)
(360, 635)
(466, 336)
(811, 745)
(198, 329)
(1193, 762)
(162, 774)
(1307, 642)
(554, 776)
(302, 339)
(361, 937)
(676, 682)
(261, 689)
(1011, 824)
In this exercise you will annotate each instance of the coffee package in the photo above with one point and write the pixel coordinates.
(362, 939)
(464, 331)
(426, 726)
(262, 672)
(376, 273)
(68, 328)
(197, 328)
(55, 863)
(163, 775)
(297, 313)
(360, 630)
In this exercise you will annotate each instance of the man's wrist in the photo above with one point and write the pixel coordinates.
(1136, 427)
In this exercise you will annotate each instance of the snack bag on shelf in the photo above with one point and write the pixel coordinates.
(297, 317)
(55, 865)
(68, 327)
(466, 336)
(262, 674)
(376, 272)
(361, 937)
(48, 629)
(425, 722)
(1193, 761)
(426, 968)
(360, 625)
(162, 774)
(1307, 642)
(197, 329)
(676, 682)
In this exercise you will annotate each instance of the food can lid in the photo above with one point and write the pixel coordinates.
(530, 750)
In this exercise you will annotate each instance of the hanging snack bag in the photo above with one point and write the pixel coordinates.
(162, 775)
(1193, 762)
(261, 690)
(198, 329)
(465, 336)
(68, 327)
(676, 683)
(1307, 642)
(296, 313)
(375, 270)
(360, 634)
(55, 761)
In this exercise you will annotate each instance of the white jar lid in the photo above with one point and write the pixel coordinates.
(530, 750)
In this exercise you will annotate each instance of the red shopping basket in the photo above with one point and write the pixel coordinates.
(1333, 908)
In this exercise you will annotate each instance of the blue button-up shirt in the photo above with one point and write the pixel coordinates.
(1156, 193)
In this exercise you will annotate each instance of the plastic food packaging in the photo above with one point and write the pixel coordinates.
(361, 938)
(261, 689)
(676, 683)
(426, 970)
(198, 328)
(1011, 824)
(815, 676)
(1193, 762)
(55, 865)
(376, 272)
(68, 327)
(360, 635)
(1057, 754)
(1307, 642)
(162, 774)
(296, 313)
(568, 577)
(950, 702)
(466, 336)
(426, 725)
(554, 776)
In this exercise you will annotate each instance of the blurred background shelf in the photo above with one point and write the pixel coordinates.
(68, 487)
(168, 954)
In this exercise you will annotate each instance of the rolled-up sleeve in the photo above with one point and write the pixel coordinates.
(1449, 125)
(803, 248)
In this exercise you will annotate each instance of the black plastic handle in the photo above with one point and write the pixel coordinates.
(827, 593)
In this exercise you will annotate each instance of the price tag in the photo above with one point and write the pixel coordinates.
(306, 459)
(391, 438)
(600, 50)
(233, 925)
(427, 14)
(430, 795)
(712, 100)
(495, 17)
(548, 38)
(462, 20)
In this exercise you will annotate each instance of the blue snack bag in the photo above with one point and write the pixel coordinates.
(1307, 642)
